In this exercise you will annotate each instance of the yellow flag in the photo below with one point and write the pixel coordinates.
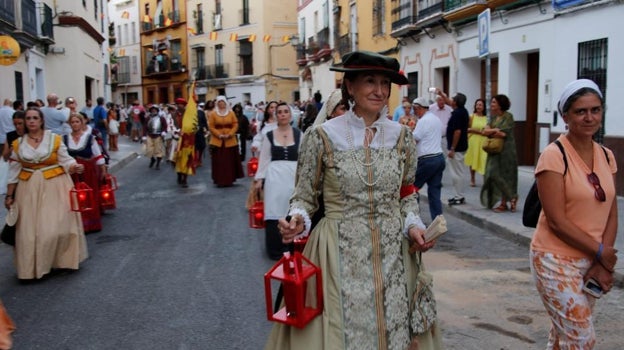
(185, 155)
(189, 120)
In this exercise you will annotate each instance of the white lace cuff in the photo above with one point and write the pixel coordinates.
(410, 221)
(307, 223)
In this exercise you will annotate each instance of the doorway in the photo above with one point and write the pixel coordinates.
(528, 155)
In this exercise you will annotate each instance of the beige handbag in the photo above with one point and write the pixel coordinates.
(493, 145)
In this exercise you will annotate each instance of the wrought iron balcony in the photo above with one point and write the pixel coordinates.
(7, 12)
(404, 17)
(213, 71)
(29, 17)
(463, 10)
(163, 66)
(344, 44)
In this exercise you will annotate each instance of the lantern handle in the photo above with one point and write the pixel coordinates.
(290, 247)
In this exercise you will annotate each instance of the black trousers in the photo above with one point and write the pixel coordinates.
(273, 240)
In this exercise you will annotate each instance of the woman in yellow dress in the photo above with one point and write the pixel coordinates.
(476, 157)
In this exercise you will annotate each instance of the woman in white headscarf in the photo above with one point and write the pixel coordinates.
(226, 165)
(332, 108)
(574, 237)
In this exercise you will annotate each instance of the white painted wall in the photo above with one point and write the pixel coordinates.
(236, 91)
(556, 39)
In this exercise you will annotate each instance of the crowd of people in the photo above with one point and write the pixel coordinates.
(345, 175)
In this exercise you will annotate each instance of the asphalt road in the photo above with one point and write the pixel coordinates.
(179, 269)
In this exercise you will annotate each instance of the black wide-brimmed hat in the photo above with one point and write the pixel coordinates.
(366, 61)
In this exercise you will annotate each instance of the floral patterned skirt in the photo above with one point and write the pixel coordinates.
(559, 281)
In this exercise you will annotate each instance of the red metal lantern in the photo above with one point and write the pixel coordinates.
(300, 280)
(256, 215)
(107, 197)
(81, 197)
(111, 181)
(252, 166)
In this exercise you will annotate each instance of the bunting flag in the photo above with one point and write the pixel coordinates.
(168, 22)
(125, 15)
(213, 36)
(286, 38)
(266, 38)
(233, 37)
(191, 31)
(185, 156)
(122, 52)
(252, 38)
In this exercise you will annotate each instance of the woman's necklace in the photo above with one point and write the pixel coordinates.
(369, 134)
(36, 139)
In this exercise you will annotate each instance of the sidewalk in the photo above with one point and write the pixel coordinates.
(509, 225)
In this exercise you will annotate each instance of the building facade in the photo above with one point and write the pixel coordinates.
(329, 29)
(164, 56)
(63, 49)
(535, 49)
(125, 51)
(242, 49)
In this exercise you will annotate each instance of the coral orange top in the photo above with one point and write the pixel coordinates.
(581, 207)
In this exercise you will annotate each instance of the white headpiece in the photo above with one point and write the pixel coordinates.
(328, 107)
(572, 88)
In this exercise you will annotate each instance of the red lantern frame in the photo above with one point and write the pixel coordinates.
(252, 166)
(81, 197)
(256, 215)
(107, 197)
(298, 275)
(111, 181)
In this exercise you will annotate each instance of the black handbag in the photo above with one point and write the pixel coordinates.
(532, 204)
(8, 234)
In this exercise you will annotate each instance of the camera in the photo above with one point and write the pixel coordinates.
(593, 288)
(432, 90)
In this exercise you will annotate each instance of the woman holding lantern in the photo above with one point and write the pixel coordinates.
(368, 244)
(276, 172)
(84, 148)
(48, 234)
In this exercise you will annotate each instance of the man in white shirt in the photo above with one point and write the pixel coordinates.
(431, 163)
(6, 120)
(443, 111)
(53, 117)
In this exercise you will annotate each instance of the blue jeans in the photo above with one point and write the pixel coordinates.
(429, 171)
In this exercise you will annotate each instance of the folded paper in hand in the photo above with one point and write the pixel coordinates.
(436, 229)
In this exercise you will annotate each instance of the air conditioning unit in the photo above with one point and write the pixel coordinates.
(217, 21)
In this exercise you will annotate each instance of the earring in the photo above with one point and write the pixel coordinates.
(351, 104)
(566, 126)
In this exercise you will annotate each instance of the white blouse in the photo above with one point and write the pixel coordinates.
(38, 154)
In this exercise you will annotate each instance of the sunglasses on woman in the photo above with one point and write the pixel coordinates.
(599, 193)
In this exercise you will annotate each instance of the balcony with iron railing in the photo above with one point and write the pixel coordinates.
(7, 13)
(47, 29)
(199, 22)
(29, 17)
(27, 34)
(243, 14)
(162, 65)
(347, 43)
(404, 17)
(429, 12)
(175, 17)
(212, 71)
(302, 58)
(463, 10)
(120, 77)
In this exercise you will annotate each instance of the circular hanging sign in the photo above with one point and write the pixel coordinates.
(9, 50)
